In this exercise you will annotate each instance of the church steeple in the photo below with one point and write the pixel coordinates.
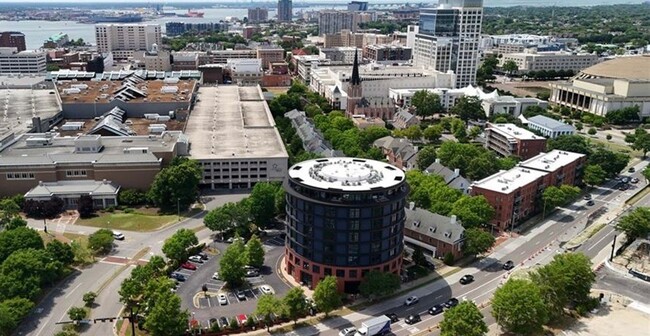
(356, 79)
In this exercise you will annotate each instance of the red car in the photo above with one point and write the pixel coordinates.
(242, 319)
(188, 266)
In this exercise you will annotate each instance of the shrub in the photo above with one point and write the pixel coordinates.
(584, 308)
(609, 137)
(250, 322)
(89, 298)
(449, 259)
(110, 209)
(129, 210)
(592, 131)
(132, 197)
(215, 327)
(233, 324)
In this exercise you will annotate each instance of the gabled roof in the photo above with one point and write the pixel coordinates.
(549, 123)
(443, 228)
(399, 146)
(451, 177)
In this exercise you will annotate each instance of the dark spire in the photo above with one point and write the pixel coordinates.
(356, 80)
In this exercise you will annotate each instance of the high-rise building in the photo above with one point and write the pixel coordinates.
(449, 37)
(345, 218)
(14, 62)
(356, 6)
(285, 10)
(333, 21)
(124, 39)
(257, 15)
(11, 39)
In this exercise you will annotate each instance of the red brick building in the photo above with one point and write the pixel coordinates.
(510, 140)
(271, 80)
(398, 151)
(561, 167)
(436, 234)
(13, 40)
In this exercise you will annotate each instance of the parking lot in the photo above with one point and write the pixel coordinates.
(206, 308)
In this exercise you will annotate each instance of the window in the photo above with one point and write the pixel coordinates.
(340, 273)
(20, 176)
(354, 213)
(353, 274)
(82, 173)
(353, 237)
(315, 268)
(328, 271)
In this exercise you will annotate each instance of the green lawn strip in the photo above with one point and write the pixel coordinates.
(584, 236)
(639, 195)
(128, 221)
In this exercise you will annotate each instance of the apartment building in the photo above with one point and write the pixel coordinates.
(12, 39)
(185, 61)
(448, 39)
(332, 21)
(180, 28)
(434, 233)
(245, 72)
(124, 39)
(562, 167)
(222, 56)
(347, 38)
(338, 55)
(387, 53)
(13, 61)
(537, 61)
(285, 10)
(257, 15)
(510, 140)
(270, 54)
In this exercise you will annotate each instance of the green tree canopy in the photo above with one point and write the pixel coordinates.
(229, 217)
(510, 67)
(176, 185)
(640, 140)
(77, 313)
(262, 203)
(377, 284)
(232, 264)
(294, 304)
(570, 143)
(646, 173)
(473, 211)
(465, 319)
(469, 108)
(426, 156)
(60, 251)
(18, 239)
(594, 175)
(518, 307)
(254, 252)
(427, 103)
(167, 318)
(267, 306)
(623, 116)
(176, 246)
(611, 162)
(326, 295)
(477, 241)
(636, 223)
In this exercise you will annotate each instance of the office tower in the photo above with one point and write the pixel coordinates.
(345, 217)
(356, 6)
(448, 38)
(285, 10)
(124, 39)
(332, 21)
(12, 39)
(257, 15)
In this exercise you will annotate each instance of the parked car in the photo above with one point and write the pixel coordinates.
(222, 299)
(625, 179)
(348, 331)
(196, 259)
(590, 202)
(453, 302)
(252, 273)
(623, 187)
(411, 300)
(241, 296)
(508, 265)
(241, 319)
(215, 276)
(587, 197)
(634, 180)
(118, 235)
(467, 278)
(413, 319)
(188, 265)
(178, 277)
(203, 255)
(631, 170)
(393, 317)
(213, 321)
(223, 322)
(266, 289)
(437, 309)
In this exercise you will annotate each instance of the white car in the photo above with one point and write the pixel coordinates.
(348, 331)
(215, 276)
(411, 300)
(266, 289)
(222, 299)
(118, 235)
(196, 259)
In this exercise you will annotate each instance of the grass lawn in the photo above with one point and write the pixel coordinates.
(139, 220)
(138, 332)
(615, 147)
(65, 237)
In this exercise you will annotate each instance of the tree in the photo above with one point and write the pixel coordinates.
(612, 163)
(101, 241)
(418, 257)
(85, 206)
(594, 175)
(262, 203)
(176, 247)
(508, 162)
(635, 224)
(570, 143)
(426, 103)
(294, 304)
(449, 259)
(15, 223)
(267, 306)
(176, 185)
(567, 279)
(433, 133)
(18, 239)
(60, 251)
(426, 156)
(518, 307)
(254, 252)
(89, 298)
(510, 67)
(474, 132)
(326, 295)
(232, 264)
(552, 197)
(132, 197)
(166, 318)
(377, 284)
(570, 192)
(640, 140)
(77, 313)
(623, 116)
(9, 209)
(465, 319)
(12, 311)
(646, 173)
(592, 131)
(230, 216)
(67, 332)
(473, 211)
(477, 241)
(412, 133)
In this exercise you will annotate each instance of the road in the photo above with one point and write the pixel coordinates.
(535, 247)
(626, 285)
(107, 273)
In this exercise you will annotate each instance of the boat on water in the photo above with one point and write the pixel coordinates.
(113, 18)
(191, 13)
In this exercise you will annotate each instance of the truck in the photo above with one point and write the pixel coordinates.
(376, 326)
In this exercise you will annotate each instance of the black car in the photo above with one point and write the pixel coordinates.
(623, 187)
(631, 170)
(467, 278)
(453, 302)
(590, 202)
(203, 255)
(437, 309)
(214, 321)
(587, 197)
(393, 317)
(223, 322)
(508, 265)
(412, 319)
(178, 276)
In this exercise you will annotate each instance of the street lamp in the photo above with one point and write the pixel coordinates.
(178, 207)
(45, 225)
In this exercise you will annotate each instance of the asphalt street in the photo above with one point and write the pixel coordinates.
(535, 247)
(626, 285)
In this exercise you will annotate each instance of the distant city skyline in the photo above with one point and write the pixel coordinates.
(487, 3)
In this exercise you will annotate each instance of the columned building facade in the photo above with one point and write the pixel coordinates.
(345, 218)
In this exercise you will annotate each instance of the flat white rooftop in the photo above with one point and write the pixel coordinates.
(507, 181)
(514, 132)
(551, 161)
(347, 174)
(232, 122)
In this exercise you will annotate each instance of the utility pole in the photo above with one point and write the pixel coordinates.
(178, 208)
(611, 256)
(45, 225)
